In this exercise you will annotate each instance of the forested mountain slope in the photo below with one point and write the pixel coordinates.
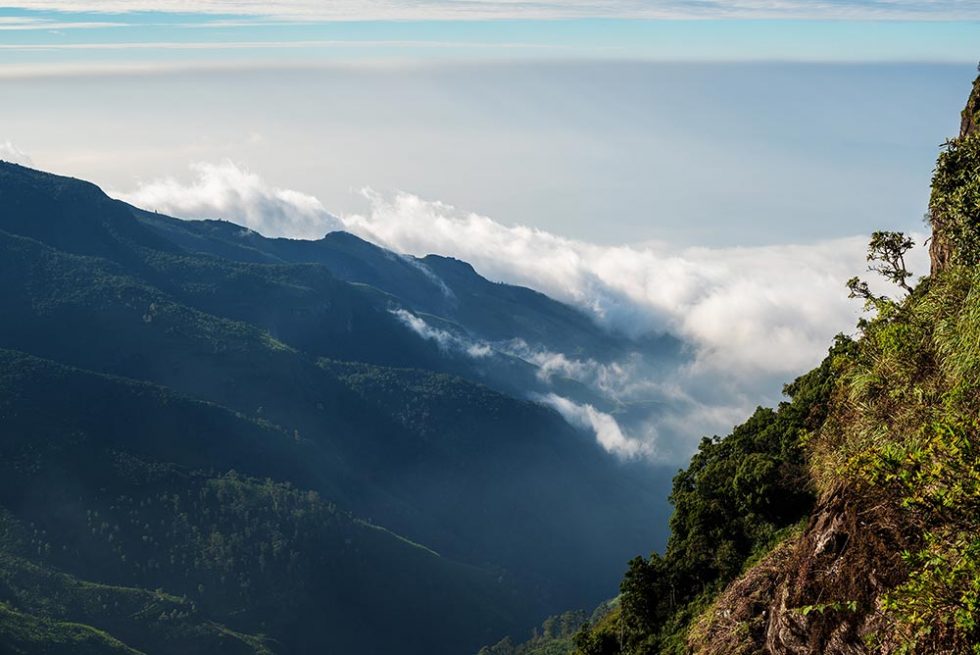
(252, 453)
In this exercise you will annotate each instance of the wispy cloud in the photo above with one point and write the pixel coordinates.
(267, 45)
(346, 10)
(446, 340)
(607, 431)
(28, 23)
(743, 307)
(10, 152)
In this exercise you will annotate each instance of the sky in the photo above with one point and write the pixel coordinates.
(709, 169)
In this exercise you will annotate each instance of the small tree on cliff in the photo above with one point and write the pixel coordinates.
(886, 256)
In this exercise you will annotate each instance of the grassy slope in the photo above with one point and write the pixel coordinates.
(897, 465)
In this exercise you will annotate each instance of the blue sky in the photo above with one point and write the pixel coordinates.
(105, 36)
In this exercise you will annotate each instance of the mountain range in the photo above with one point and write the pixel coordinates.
(214, 441)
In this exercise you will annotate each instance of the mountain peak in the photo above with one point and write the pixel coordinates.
(451, 265)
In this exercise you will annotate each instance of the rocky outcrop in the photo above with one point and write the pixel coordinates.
(817, 594)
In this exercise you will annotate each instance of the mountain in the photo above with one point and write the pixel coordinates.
(844, 521)
(216, 442)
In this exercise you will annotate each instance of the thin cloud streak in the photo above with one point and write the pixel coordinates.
(16, 23)
(359, 10)
(266, 45)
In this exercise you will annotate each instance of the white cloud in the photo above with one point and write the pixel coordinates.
(446, 341)
(607, 431)
(770, 309)
(26, 23)
(228, 191)
(344, 10)
(262, 45)
(11, 153)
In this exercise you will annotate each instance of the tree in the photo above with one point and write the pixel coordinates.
(886, 254)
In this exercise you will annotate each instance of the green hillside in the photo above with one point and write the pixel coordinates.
(268, 446)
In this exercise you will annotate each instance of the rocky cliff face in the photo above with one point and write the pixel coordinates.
(814, 593)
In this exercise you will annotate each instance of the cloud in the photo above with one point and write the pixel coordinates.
(346, 10)
(607, 431)
(771, 309)
(226, 190)
(264, 45)
(446, 341)
(11, 153)
(26, 23)
(663, 410)
(752, 317)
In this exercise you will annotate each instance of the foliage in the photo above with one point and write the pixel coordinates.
(555, 636)
(904, 428)
(886, 252)
(955, 200)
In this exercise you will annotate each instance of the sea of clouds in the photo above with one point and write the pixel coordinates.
(754, 317)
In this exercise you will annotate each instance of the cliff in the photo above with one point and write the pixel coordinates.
(953, 207)
(847, 520)
(889, 559)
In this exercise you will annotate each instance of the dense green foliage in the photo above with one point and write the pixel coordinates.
(955, 201)
(555, 636)
(737, 497)
(253, 554)
(906, 430)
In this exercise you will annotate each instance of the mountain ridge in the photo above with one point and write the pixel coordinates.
(223, 396)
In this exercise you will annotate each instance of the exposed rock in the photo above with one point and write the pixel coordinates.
(818, 594)
(738, 621)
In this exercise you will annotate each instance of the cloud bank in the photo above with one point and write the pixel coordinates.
(771, 309)
(754, 317)
(225, 190)
(346, 10)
